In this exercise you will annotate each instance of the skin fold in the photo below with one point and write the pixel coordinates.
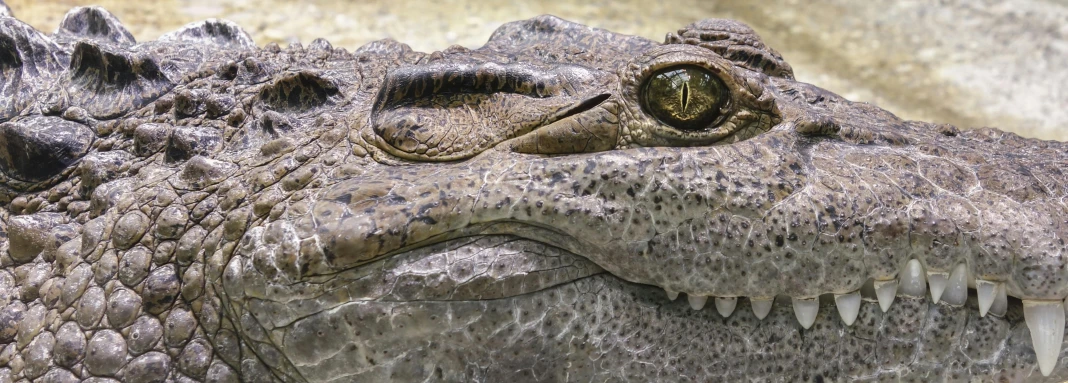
(197, 208)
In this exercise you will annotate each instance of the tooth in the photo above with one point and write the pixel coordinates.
(1045, 319)
(725, 306)
(697, 302)
(1001, 301)
(912, 283)
(761, 306)
(848, 306)
(672, 295)
(937, 280)
(956, 292)
(886, 291)
(986, 291)
(806, 310)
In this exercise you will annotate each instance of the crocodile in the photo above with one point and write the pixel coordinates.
(198, 208)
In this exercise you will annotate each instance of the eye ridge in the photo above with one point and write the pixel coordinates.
(674, 96)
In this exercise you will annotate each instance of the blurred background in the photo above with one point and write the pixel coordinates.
(968, 63)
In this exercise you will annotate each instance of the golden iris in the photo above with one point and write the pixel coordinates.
(685, 97)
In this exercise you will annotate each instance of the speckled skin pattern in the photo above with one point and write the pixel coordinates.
(199, 209)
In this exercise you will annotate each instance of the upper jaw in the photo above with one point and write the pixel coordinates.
(774, 215)
(771, 215)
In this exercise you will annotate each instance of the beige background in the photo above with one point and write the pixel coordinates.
(969, 63)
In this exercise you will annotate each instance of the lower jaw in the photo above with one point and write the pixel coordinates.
(601, 327)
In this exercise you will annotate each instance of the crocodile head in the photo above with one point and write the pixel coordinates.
(515, 211)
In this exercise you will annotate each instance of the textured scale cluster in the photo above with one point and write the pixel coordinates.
(115, 162)
(197, 208)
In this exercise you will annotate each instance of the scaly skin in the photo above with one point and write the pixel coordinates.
(199, 209)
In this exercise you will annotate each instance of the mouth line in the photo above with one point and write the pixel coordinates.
(538, 234)
(414, 277)
(1044, 319)
(953, 285)
(522, 230)
(414, 319)
(953, 289)
(848, 305)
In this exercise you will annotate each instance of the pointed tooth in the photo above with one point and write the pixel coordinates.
(938, 281)
(725, 306)
(806, 309)
(1045, 319)
(1001, 301)
(672, 295)
(956, 292)
(761, 306)
(697, 302)
(886, 291)
(848, 306)
(986, 290)
(912, 281)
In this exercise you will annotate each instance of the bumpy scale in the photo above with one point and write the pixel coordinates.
(197, 208)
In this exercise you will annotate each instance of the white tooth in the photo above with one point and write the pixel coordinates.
(986, 291)
(761, 306)
(725, 306)
(886, 291)
(913, 283)
(1045, 319)
(1001, 301)
(848, 306)
(937, 280)
(806, 310)
(956, 292)
(697, 302)
(672, 295)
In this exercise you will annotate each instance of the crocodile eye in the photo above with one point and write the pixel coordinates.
(686, 97)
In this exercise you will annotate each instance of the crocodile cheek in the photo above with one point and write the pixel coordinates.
(364, 218)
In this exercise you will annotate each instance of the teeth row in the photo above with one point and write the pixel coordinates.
(1045, 318)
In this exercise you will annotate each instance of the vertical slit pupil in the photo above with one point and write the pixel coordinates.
(685, 95)
(666, 95)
